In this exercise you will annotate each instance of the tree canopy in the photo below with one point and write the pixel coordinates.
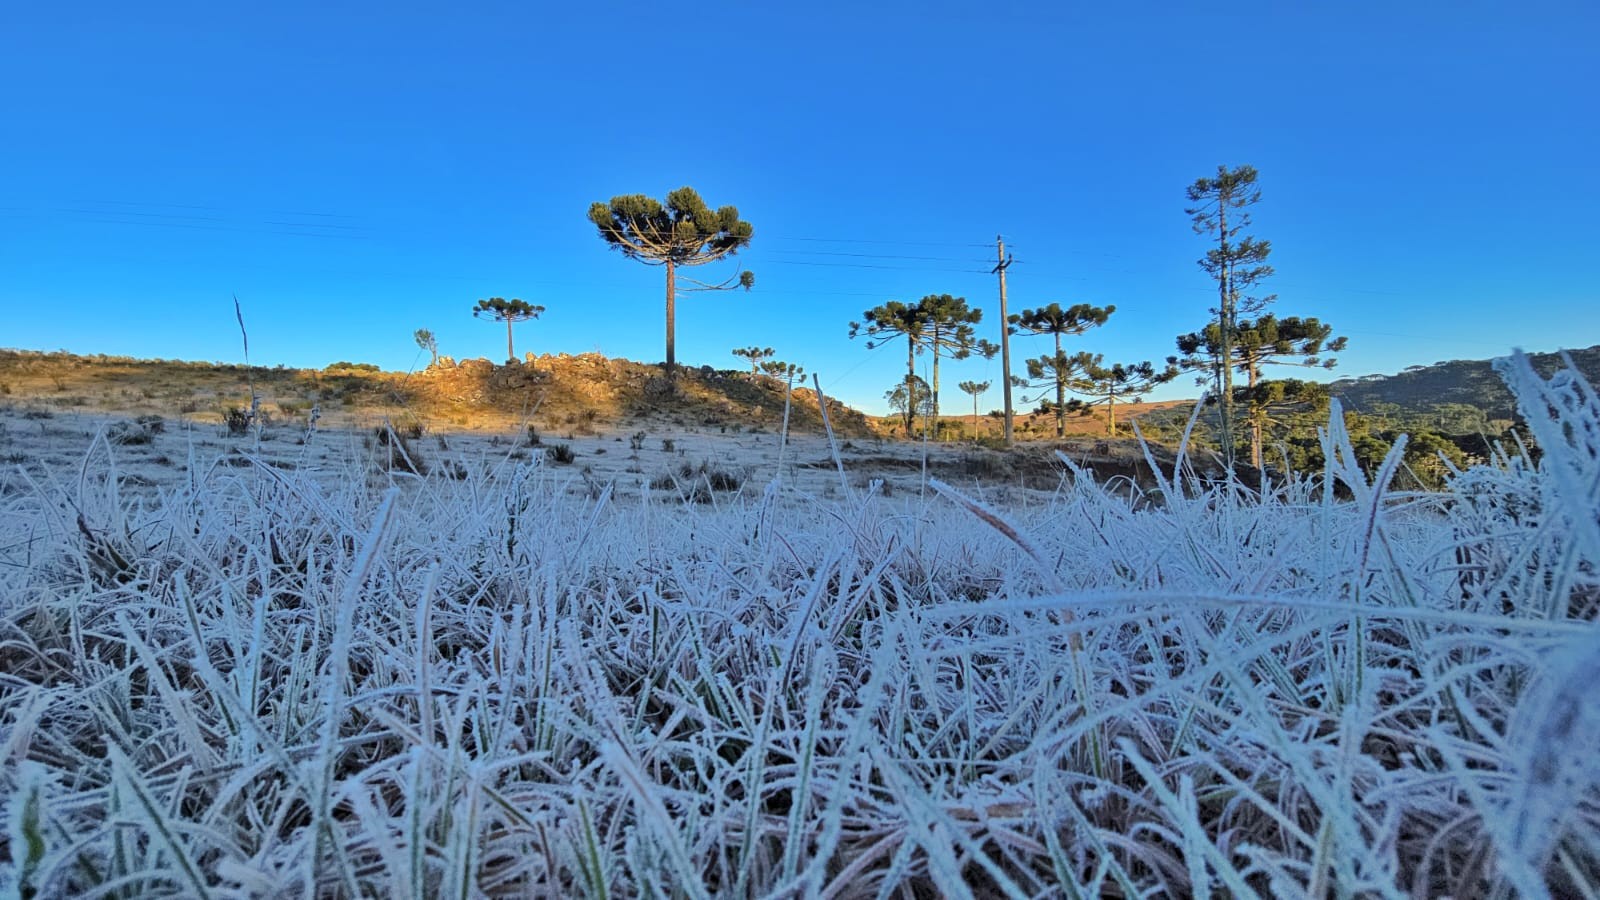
(753, 355)
(1119, 382)
(1266, 340)
(974, 388)
(950, 333)
(1057, 322)
(510, 312)
(684, 231)
(891, 321)
(911, 398)
(939, 323)
(428, 342)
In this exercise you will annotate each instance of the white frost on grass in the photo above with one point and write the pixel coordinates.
(259, 682)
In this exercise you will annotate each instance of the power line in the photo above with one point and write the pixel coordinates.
(834, 265)
(875, 241)
(877, 255)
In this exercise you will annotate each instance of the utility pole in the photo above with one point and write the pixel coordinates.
(1005, 336)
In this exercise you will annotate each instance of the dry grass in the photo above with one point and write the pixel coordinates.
(559, 394)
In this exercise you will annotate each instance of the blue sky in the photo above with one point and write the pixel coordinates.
(356, 171)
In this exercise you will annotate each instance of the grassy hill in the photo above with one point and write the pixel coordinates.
(1458, 396)
(554, 393)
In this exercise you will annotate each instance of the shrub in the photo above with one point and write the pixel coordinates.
(237, 420)
(398, 454)
(130, 434)
(562, 453)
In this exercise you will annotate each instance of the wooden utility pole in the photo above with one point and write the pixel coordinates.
(1005, 337)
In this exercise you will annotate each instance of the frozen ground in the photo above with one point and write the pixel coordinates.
(294, 669)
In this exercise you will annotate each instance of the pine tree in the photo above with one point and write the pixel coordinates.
(682, 232)
(1119, 382)
(1221, 210)
(1264, 341)
(428, 342)
(950, 333)
(974, 388)
(892, 321)
(782, 370)
(754, 355)
(1058, 323)
(510, 312)
(1052, 375)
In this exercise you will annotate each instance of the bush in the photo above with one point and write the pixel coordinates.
(563, 454)
(134, 433)
(398, 452)
(237, 420)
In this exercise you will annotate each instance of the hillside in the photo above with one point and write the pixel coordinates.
(555, 393)
(1445, 394)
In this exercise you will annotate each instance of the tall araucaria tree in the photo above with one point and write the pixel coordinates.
(1119, 382)
(510, 312)
(938, 322)
(1221, 211)
(950, 333)
(1058, 323)
(892, 321)
(684, 231)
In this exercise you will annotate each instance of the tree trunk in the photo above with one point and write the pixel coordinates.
(974, 418)
(1225, 324)
(1256, 415)
(936, 384)
(510, 353)
(1061, 393)
(672, 345)
(1111, 414)
(911, 385)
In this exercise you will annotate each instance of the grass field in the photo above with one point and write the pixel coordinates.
(242, 679)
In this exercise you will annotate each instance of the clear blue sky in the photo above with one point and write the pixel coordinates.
(1430, 172)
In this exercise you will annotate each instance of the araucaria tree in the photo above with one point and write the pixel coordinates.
(782, 371)
(1058, 323)
(1264, 341)
(891, 321)
(510, 312)
(950, 333)
(974, 388)
(1116, 383)
(1237, 264)
(754, 355)
(428, 342)
(682, 232)
(1052, 373)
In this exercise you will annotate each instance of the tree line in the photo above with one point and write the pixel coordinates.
(1230, 353)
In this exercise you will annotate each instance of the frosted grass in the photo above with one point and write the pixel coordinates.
(266, 683)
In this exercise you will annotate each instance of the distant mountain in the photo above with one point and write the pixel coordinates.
(1441, 394)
